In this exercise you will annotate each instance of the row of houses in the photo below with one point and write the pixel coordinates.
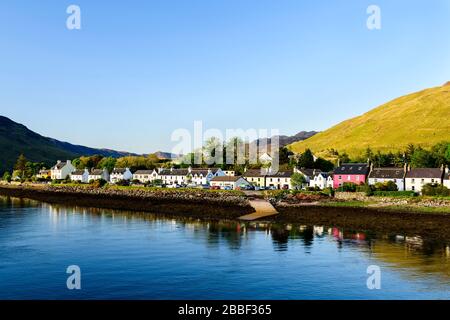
(406, 178)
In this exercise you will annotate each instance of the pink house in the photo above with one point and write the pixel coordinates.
(351, 173)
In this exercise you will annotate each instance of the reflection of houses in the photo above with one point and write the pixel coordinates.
(416, 178)
(228, 181)
(80, 175)
(119, 174)
(99, 174)
(383, 175)
(350, 173)
(61, 170)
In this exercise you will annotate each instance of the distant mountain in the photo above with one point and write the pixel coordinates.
(166, 155)
(284, 140)
(420, 118)
(15, 139)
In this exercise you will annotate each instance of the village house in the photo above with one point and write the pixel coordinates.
(173, 176)
(44, 174)
(257, 177)
(119, 174)
(383, 175)
(321, 180)
(230, 173)
(279, 179)
(98, 174)
(446, 178)
(308, 174)
(350, 173)
(201, 176)
(416, 178)
(265, 158)
(61, 170)
(80, 175)
(230, 182)
(145, 176)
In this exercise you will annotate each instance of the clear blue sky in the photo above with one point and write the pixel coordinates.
(137, 70)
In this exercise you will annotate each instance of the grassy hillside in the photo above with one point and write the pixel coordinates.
(16, 139)
(421, 118)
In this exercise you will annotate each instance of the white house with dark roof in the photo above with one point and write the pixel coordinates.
(321, 180)
(173, 176)
(257, 177)
(279, 179)
(80, 175)
(306, 172)
(201, 176)
(383, 175)
(99, 174)
(61, 170)
(119, 174)
(229, 181)
(446, 181)
(145, 176)
(416, 178)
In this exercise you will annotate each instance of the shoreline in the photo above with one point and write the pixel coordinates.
(214, 206)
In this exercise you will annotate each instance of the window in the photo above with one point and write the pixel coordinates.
(340, 177)
(348, 178)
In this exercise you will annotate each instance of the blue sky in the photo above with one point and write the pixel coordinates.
(137, 70)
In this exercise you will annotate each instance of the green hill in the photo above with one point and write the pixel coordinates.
(420, 118)
(15, 139)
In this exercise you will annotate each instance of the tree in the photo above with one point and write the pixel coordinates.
(323, 165)
(298, 180)
(21, 166)
(306, 159)
(423, 159)
(109, 163)
(7, 177)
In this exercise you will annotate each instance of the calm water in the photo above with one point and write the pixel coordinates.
(141, 256)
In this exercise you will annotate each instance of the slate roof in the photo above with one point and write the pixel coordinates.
(78, 173)
(254, 173)
(308, 172)
(174, 172)
(144, 172)
(118, 171)
(280, 174)
(425, 173)
(96, 172)
(59, 166)
(352, 168)
(226, 178)
(387, 173)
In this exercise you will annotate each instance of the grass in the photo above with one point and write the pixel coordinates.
(396, 208)
(415, 118)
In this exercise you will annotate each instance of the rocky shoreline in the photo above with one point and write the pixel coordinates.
(193, 203)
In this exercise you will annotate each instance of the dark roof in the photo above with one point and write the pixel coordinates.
(78, 173)
(387, 173)
(59, 165)
(254, 173)
(174, 172)
(280, 174)
(96, 172)
(352, 168)
(425, 173)
(324, 174)
(144, 172)
(308, 172)
(226, 178)
(119, 170)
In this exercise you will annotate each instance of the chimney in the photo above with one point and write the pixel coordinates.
(189, 169)
(69, 161)
(245, 169)
(446, 169)
(339, 163)
(171, 169)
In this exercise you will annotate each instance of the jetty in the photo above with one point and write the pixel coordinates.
(263, 208)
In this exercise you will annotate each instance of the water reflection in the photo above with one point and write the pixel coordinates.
(400, 251)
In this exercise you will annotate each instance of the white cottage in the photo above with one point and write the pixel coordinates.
(80, 176)
(447, 178)
(232, 182)
(99, 174)
(383, 175)
(145, 176)
(119, 174)
(418, 177)
(201, 176)
(61, 170)
(321, 180)
(173, 176)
